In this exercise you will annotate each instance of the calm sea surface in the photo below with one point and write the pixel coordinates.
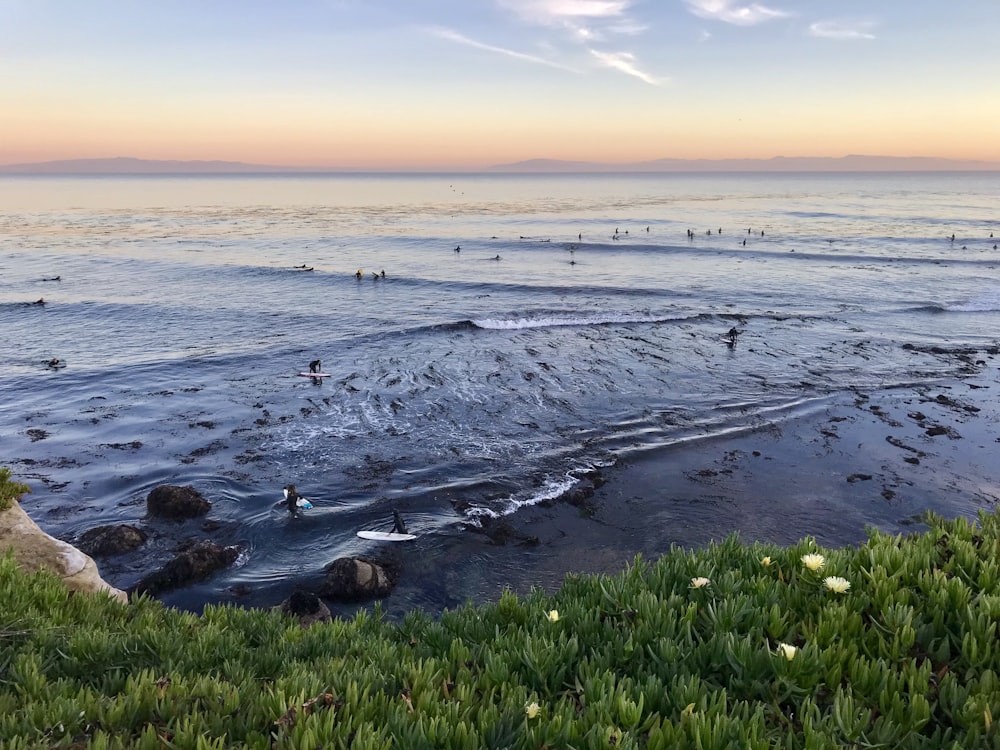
(527, 329)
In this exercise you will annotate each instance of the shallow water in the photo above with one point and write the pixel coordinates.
(462, 386)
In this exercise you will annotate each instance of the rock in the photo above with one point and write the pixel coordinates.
(193, 564)
(500, 532)
(353, 579)
(171, 501)
(34, 550)
(111, 540)
(309, 608)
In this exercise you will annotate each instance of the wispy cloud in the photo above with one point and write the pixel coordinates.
(732, 12)
(560, 11)
(454, 36)
(835, 30)
(625, 63)
(591, 23)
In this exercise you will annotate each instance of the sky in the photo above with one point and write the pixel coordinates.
(460, 84)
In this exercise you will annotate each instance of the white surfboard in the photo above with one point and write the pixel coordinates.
(386, 536)
(315, 374)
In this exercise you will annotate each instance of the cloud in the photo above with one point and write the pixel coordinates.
(624, 62)
(557, 12)
(454, 36)
(729, 12)
(590, 23)
(834, 30)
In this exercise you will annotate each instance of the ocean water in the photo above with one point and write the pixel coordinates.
(528, 329)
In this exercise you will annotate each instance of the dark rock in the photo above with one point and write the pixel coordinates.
(500, 532)
(938, 429)
(352, 579)
(309, 608)
(171, 501)
(193, 564)
(110, 540)
(859, 478)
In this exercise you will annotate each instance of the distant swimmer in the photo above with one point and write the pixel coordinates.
(59, 278)
(315, 366)
(55, 363)
(497, 257)
(359, 273)
(580, 236)
(458, 248)
(383, 273)
(39, 301)
(302, 266)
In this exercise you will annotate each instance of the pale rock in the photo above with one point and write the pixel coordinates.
(35, 550)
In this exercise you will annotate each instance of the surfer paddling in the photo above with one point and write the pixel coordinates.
(315, 366)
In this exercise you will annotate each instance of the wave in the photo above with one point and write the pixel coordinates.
(988, 301)
(552, 320)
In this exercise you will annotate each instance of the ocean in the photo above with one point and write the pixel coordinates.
(528, 330)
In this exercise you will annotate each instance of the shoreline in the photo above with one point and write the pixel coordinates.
(850, 460)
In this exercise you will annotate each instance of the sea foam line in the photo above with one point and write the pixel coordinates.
(550, 321)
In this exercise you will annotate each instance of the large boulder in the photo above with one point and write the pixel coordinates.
(171, 501)
(34, 550)
(195, 563)
(111, 540)
(352, 579)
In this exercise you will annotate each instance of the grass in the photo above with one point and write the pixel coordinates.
(766, 654)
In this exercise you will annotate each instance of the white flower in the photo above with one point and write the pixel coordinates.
(836, 584)
(787, 650)
(553, 615)
(699, 582)
(531, 709)
(813, 562)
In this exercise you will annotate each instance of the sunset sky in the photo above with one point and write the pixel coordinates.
(459, 84)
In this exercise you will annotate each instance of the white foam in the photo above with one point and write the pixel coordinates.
(550, 321)
(988, 301)
(552, 489)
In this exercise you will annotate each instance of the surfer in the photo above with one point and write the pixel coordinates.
(359, 273)
(54, 363)
(732, 335)
(292, 499)
(397, 523)
(315, 366)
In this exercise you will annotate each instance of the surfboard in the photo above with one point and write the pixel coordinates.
(386, 536)
(315, 374)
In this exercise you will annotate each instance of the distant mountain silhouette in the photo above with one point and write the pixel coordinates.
(851, 163)
(130, 165)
